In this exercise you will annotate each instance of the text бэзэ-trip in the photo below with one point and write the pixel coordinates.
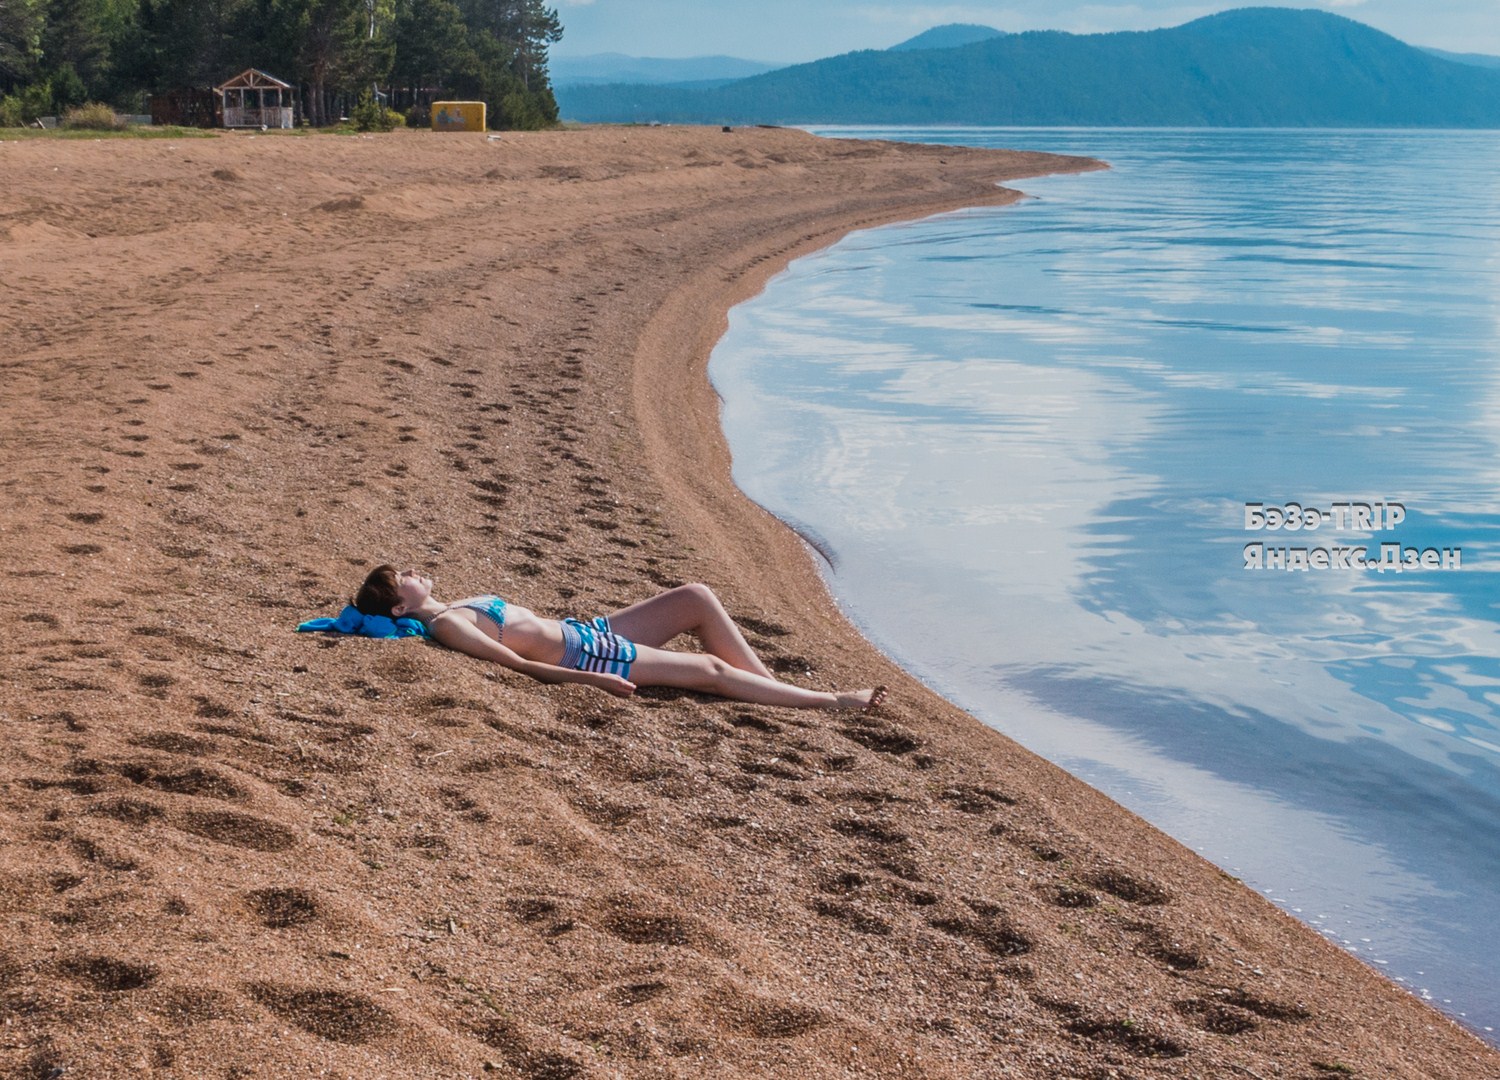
(1357, 516)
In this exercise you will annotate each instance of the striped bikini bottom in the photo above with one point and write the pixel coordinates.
(593, 646)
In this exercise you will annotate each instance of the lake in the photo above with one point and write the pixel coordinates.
(1052, 454)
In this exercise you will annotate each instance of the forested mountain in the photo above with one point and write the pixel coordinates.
(1253, 67)
(58, 53)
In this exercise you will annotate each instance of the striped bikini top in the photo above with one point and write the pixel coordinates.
(491, 606)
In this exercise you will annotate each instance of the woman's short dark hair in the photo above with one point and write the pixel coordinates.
(378, 595)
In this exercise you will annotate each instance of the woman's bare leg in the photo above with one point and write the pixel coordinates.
(714, 675)
(688, 609)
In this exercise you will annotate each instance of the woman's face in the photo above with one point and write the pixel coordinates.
(412, 588)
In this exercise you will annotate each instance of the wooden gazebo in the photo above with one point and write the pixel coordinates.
(253, 99)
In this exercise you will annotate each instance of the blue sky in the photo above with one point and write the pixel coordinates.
(789, 31)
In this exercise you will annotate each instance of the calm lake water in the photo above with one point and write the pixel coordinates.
(1025, 439)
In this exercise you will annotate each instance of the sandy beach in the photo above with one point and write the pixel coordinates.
(240, 371)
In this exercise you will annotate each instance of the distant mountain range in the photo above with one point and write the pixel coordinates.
(645, 70)
(1476, 59)
(950, 36)
(696, 71)
(1252, 67)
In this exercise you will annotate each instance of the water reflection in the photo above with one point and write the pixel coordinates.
(1040, 425)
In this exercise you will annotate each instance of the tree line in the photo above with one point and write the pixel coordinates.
(55, 54)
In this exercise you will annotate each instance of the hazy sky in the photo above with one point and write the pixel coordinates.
(789, 31)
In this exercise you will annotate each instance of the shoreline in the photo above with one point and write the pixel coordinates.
(1353, 874)
(813, 550)
(663, 356)
(235, 847)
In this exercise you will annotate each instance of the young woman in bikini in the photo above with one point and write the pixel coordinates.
(615, 652)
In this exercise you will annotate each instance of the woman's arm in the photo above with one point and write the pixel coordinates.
(467, 638)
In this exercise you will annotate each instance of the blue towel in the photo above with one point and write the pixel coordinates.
(352, 621)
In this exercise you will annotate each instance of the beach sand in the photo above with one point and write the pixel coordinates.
(240, 371)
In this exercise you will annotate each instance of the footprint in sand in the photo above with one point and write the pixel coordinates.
(282, 908)
(1215, 1017)
(758, 1017)
(1263, 1007)
(750, 721)
(239, 830)
(994, 934)
(129, 811)
(1137, 1037)
(637, 993)
(639, 925)
(1041, 846)
(336, 1015)
(974, 799)
(647, 928)
(1130, 889)
(852, 915)
(872, 831)
(1168, 949)
(109, 974)
(201, 782)
(189, 554)
(523, 1056)
(173, 742)
(1070, 896)
(880, 736)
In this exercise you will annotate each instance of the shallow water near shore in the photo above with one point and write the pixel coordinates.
(1025, 438)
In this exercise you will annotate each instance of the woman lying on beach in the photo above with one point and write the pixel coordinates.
(615, 652)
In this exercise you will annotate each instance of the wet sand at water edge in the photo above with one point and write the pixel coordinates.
(238, 372)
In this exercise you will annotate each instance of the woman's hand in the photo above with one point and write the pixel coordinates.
(467, 638)
(612, 684)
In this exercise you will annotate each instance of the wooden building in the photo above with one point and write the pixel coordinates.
(253, 99)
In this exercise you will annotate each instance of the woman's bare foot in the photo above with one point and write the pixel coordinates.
(866, 700)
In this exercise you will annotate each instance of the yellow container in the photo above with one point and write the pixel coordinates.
(458, 116)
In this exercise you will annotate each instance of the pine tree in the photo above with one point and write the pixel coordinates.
(74, 48)
(20, 41)
(511, 38)
(432, 44)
